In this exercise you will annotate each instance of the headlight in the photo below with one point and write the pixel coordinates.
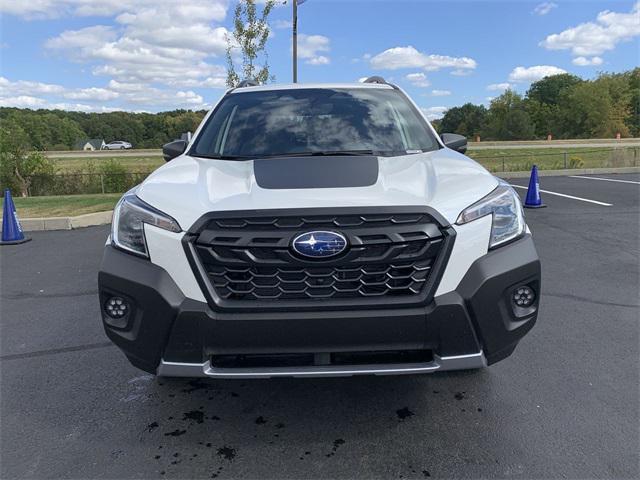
(129, 217)
(505, 207)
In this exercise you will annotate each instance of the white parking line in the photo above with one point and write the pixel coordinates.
(570, 196)
(605, 179)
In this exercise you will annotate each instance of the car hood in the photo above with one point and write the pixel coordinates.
(188, 187)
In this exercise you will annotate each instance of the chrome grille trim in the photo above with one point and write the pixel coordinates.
(458, 362)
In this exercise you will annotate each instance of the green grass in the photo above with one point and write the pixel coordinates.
(511, 160)
(132, 164)
(64, 205)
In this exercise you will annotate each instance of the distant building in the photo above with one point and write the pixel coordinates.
(90, 144)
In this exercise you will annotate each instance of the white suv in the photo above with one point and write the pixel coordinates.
(318, 230)
(117, 145)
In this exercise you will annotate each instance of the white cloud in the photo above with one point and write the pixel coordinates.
(533, 74)
(28, 94)
(434, 113)
(153, 53)
(544, 8)
(23, 87)
(189, 97)
(34, 103)
(83, 39)
(418, 79)
(440, 93)
(219, 81)
(93, 94)
(186, 9)
(586, 62)
(282, 24)
(133, 60)
(499, 87)
(460, 72)
(126, 87)
(76, 107)
(311, 47)
(153, 42)
(22, 101)
(595, 38)
(159, 28)
(319, 60)
(408, 57)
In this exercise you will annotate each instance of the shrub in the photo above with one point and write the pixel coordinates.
(17, 164)
(575, 162)
(114, 177)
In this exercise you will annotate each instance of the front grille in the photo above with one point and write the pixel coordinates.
(368, 280)
(247, 260)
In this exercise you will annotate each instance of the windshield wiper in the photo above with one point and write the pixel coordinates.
(220, 157)
(347, 152)
(319, 153)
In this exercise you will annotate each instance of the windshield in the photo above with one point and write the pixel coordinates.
(314, 121)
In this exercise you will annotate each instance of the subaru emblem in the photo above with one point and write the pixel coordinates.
(319, 244)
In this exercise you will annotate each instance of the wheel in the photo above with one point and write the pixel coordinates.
(122, 147)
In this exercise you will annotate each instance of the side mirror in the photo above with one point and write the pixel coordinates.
(455, 142)
(173, 149)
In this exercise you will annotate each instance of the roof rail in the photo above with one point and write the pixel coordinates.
(375, 79)
(379, 80)
(248, 83)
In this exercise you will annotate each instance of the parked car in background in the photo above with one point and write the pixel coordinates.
(117, 145)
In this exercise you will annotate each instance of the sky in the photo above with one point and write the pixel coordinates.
(155, 55)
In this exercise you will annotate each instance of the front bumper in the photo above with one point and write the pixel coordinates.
(169, 334)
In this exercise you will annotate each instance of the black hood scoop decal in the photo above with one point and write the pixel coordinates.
(316, 172)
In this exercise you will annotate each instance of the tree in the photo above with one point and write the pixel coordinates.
(508, 119)
(467, 120)
(437, 125)
(542, 102)
(60, 130)
(548, 90)
(250, 35)
(587, 111)
(618, 86)
(185, 121)
(545, 118)
(64, 133)
(633, 121)
(18, 165)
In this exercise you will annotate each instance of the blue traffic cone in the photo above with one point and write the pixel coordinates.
(12, 233)
(533, 199)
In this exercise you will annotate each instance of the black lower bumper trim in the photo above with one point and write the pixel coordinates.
(478, 316)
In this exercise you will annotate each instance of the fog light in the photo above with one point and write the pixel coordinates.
(524, 296)
(116, 307)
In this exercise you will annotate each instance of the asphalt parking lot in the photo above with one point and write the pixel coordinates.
(565, 404)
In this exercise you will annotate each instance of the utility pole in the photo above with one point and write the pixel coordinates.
(295, 40)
